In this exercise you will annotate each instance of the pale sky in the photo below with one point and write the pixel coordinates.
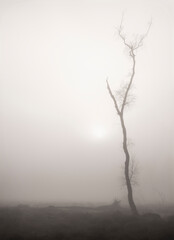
(60, 136)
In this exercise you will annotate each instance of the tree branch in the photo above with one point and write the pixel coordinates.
(130, 82)
(140, 43)
(136, 44)
(132, 47)
(113, 98)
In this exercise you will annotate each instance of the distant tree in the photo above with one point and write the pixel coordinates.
(121, 100)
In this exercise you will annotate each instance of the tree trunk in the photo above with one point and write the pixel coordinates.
(127, 162)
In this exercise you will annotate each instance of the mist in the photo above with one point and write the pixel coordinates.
(61, 141)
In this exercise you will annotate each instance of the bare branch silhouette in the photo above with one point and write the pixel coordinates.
(124, 99)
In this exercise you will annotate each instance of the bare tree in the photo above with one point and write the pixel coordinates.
(123, 98)
(133, 173)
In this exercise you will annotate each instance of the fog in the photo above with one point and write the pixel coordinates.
(61, 139)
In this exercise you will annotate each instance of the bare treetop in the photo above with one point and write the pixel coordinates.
(138, 41)
(122, 94)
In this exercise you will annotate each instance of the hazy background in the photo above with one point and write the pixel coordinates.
(60, 138)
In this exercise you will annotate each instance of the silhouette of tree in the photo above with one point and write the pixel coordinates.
(121, 100)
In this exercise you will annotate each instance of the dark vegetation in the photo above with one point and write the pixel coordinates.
(80, 223)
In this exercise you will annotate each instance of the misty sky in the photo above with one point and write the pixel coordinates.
(60, 138)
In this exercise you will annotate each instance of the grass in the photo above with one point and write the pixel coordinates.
(80, 223)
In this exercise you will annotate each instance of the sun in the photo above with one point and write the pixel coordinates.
(99, 132)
